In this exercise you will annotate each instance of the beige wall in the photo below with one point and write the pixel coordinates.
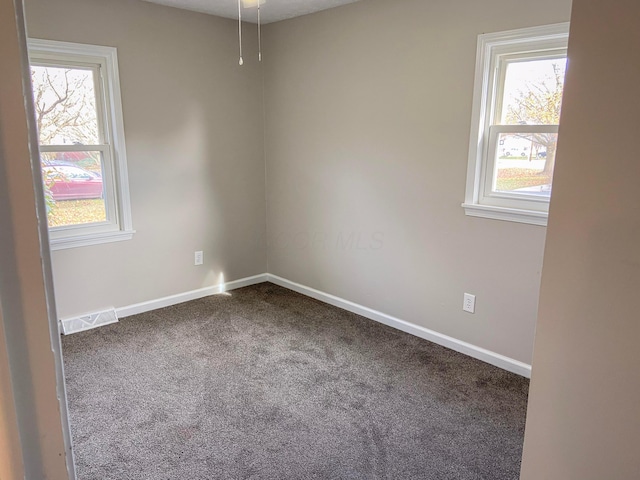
(368, 111)
(194, 133)
(584, 405)
(368, 118)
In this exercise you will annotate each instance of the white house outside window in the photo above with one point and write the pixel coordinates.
(517, 100)
(82, 151)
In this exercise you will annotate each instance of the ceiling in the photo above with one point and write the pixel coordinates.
(270, 11)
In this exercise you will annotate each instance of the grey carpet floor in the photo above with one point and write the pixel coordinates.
(264, 383)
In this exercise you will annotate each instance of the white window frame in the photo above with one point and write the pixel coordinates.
(104, 62)
(493, 48)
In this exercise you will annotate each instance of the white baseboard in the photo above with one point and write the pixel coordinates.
(487, 356)
(186, 296)
(474, 351)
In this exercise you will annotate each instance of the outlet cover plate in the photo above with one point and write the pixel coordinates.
(469, 303)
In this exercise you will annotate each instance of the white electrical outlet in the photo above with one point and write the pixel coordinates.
(199, 258)
(469, 303)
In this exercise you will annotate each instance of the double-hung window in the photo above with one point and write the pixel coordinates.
(516, 112)
(81, 136)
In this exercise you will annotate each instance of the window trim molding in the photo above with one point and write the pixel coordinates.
(488, 43)
(108, 58)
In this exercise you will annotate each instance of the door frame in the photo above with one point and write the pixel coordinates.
(34, 417)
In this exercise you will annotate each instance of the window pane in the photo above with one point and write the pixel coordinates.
(65, 103)
(533, 92)
(524, 163)
(73, 188)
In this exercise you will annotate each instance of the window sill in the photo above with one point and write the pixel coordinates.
(90, 239)
(531, 217)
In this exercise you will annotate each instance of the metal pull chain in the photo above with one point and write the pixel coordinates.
(259, 35)
(241, 62)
